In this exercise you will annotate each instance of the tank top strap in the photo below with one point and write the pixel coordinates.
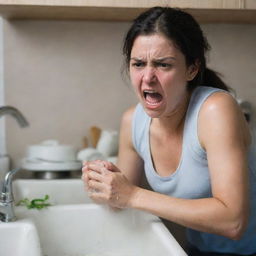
(198, 97)
(140, 125)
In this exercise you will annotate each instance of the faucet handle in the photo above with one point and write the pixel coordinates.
(6, 194)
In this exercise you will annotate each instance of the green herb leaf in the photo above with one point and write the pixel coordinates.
(37, 203)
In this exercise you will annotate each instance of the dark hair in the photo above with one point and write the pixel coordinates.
(184, 31)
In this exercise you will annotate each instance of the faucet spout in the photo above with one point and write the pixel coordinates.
(9, 110)
(6, 193)
(6, 198)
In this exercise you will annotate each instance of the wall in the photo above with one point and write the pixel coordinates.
(65, 76)
(233, 55)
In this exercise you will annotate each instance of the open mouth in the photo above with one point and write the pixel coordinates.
(152, 97)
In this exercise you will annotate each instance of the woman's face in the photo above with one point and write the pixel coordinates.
(159, 75)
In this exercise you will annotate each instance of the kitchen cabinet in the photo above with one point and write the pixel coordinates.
(250, 4)
(205, 11)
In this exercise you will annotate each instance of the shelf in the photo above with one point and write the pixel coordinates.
(205, 11)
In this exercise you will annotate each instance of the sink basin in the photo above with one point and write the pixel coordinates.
(19, 239)
(61, 191)
(94, 230)
(75, 226)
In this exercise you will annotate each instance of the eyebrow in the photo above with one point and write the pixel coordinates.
(165, 58)
(158, 59)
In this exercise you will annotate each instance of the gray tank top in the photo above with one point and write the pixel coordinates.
(191, 179)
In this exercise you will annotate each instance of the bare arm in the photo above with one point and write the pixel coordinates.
(129, 162)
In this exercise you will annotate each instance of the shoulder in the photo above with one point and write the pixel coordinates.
(126, 129)
(126, 122)
(134, 115)
(128, 116)
(220, 114)
(218, 102)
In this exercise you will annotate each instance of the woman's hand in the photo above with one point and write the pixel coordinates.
(106, 184)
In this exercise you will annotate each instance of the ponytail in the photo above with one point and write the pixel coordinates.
(208, 77)
(212, 78)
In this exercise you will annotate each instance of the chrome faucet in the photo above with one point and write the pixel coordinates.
(6, 195)
(6, 198)
(8, 110)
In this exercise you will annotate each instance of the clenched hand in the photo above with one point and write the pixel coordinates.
(106, 184)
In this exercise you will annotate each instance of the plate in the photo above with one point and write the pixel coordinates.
(41, 165)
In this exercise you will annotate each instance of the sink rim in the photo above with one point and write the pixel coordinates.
(24, 233)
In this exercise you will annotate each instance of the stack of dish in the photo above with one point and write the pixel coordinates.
(51, 156)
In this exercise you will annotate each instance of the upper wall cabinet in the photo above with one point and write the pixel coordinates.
(205, 11)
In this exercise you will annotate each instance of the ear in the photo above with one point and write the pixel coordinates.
(193, 70)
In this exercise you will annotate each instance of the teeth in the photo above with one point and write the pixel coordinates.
(153, 99)
(145, 92)
(148, 91)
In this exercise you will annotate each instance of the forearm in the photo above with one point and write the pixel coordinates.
(208, 214)
(211, 215)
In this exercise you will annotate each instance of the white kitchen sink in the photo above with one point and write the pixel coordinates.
(94, 230)
(74, 226)
(19, 238)
(60, 191)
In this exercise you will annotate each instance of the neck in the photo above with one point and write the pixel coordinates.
(173, 122)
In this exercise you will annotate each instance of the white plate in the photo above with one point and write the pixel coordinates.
(40, 165)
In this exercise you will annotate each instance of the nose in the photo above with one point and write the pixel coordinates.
(149, 75)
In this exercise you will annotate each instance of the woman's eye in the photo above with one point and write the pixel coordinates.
(163, 65)
(138, 64)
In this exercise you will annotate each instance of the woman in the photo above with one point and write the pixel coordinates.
(189, 136)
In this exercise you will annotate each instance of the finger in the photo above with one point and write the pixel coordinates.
(97, 197)
(94, 176)
(85, 167)
(96, 186)
(98, 162)
(86, 163)
(97, 167)
(84, 177)
(110, 166)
